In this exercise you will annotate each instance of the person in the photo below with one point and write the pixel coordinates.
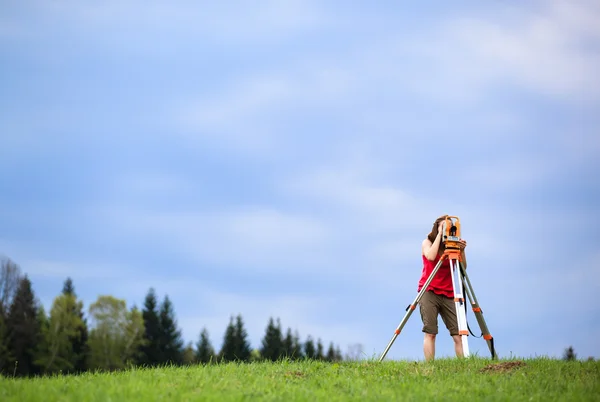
(438, 299)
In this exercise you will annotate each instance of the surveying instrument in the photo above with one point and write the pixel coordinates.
(454, 248)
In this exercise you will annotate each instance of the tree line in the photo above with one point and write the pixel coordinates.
(112, 336)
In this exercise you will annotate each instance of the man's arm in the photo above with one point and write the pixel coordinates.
(430, 250)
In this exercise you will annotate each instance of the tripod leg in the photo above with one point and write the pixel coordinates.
(459, 301)
(412, 308)
(478, 314)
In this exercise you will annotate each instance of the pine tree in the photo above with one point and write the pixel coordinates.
(228, 348)
(151, 353)
(79, 339)
(320, 355)
(569, 354)
(189, 355)
(44, 349)
(272, 344)
(204, 350)
(23, 329)
(288, 344)
(330, 353)
(297, 347)
(309, 348)
(170, 335)
(242, 346)
(5, 355)
(68, 288)
(338, 354)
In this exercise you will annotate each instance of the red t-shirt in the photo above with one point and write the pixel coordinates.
(442, 281)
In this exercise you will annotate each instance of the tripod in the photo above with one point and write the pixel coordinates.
(452, 253)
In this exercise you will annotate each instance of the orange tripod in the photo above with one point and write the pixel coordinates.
(454, 249)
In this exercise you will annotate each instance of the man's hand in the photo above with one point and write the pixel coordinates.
(440, 227)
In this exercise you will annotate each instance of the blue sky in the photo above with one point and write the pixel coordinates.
(286, 159)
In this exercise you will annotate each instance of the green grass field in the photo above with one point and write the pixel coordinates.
(444, 379)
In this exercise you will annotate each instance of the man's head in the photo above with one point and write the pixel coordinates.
(434, 230)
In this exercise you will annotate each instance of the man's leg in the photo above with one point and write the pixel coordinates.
(429, 347)
(448, 313)
(429, 311)
(458, 349)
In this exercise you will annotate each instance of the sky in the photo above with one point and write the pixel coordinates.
(286, 159)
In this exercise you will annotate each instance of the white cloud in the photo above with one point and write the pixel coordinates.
(461, 63)
(261, 239)
(364, 204)
(549, 51)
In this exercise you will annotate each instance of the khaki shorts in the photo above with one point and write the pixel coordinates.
(432, 304)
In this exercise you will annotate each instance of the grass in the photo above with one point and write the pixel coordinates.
(479, 379)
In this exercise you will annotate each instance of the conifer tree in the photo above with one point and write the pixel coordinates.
(242, 346)
(569, 354)
(23, 329)
(288, 344)
(170, 336)
(338, 354)
(43, 347)
(228, 348)
(330, 353)
(68, 288)
(5, 355)
(320, 355)
(79, 339)
(188, 356)
(151, 353)
(309, 348)
(297, 352)
(204, 350)
(272, 343)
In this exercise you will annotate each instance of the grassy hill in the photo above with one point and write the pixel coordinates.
(536, 379)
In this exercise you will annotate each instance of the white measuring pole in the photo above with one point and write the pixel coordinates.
(459, 302)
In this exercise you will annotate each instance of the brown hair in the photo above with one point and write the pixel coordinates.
(434, 230)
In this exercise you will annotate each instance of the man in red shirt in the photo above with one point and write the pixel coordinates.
(439, 296)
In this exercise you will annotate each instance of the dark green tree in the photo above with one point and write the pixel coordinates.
(242, 346)
(204, 350)
(170, 336)
(333, 354)
(23, 330)
(297, 352)
(272, 343)
(569, 354)
(288, 344)
(228, 348)
(320, 351)
(151, 353)
(68, 288)
(5, 355)
(79, 339)
(309, 348)
(189, 355)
